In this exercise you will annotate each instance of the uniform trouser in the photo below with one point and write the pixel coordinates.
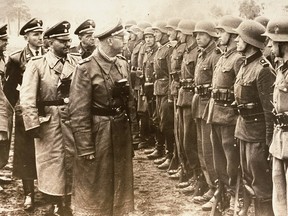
(188, 152)
(280, 190)
(226, 154)
(165, 116)
(175, 159)
(255, 168)
(205, 151)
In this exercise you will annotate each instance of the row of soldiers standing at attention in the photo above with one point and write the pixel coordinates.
(204, 102)
(51, 147)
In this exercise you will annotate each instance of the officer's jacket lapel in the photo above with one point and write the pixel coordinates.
(54, 63)
(68, 68)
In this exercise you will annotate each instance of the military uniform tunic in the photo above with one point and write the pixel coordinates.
(188, 153)
(206, 61)
(223, 117)
(83, 52)
(278, 148)
(253, 93)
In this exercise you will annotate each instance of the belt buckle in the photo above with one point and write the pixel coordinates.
(66, 100)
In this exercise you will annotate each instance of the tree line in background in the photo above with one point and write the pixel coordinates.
(16, 12)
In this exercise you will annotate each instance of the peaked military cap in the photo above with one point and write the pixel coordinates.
(60, 30)
(3, 32)
(87, 26)
(34, 24)
(115, 29)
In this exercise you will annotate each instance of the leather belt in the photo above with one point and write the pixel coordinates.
(203, 90)
(59, 102)
(187, 84)
(280, 119)
(106, 112)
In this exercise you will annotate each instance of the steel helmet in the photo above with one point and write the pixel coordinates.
(148, 31)
(262, 20)
(186, 26)
(173, 23)
(229, 23)
(130, 23)
(161, 26)
(134, 29)
(251, 32)
(277, 29)
(206, 27)
(143, 25)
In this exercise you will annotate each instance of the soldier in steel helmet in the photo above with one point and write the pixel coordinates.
(164, 115)
(254, 128)
(207, 58)
(277, 31)
(171, 161)
(146, 95)
(186, 127)
(221, 114)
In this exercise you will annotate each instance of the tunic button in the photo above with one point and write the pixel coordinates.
(285, 89)
(225, 105)
(255, 119)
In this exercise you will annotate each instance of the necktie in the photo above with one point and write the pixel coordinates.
(36, 52)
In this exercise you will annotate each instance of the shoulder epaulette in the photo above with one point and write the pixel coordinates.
(264, 63)
(121, 57)
(82, 61)
(16, 52)
(36, 57)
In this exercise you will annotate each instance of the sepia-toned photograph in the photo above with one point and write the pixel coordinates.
(143, 108)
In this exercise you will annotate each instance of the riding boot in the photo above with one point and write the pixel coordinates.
(28, 187)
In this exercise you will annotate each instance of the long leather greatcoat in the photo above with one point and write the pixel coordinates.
(55, 147)
(24, 153)
(103, 186)
(6, 119)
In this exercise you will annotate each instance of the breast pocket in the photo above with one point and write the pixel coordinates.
(226, 78)
(205, 75)
(282, 97)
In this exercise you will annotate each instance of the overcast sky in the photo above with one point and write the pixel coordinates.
(76, 11)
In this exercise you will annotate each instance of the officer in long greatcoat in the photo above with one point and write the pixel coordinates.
(6, 110)
(44, 102)
(24, 154)
(99, 106)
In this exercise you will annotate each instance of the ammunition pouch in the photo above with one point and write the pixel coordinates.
(175, 76)
(222, 95)
(280, 119)
(187, 84)
(203, 90)
(148, 89)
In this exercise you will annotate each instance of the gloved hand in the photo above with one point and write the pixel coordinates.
(35, 132)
